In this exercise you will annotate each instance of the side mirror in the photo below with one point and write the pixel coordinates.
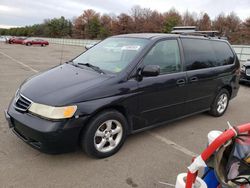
(88, 46)
(150, 70)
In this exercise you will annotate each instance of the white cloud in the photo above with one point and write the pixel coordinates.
(4, 9)
(27, 12)
(8, 26)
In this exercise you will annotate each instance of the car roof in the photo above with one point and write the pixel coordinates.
(146, 35)
(152, 36)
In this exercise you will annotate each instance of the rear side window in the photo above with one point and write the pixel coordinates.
(223, 53)
(200, 54)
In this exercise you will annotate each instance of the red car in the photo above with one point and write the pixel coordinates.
(41, 42)
(15, 40)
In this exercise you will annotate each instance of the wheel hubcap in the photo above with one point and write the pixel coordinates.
(222, 103)
(108, 136)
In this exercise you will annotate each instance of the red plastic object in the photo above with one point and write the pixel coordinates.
(218, 142)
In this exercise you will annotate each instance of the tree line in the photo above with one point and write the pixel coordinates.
(93, 25)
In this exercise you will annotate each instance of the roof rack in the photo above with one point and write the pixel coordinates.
(192, 30)
(207, 35)
(183, 29)
(194, 34)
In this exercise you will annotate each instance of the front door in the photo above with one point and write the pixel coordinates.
(163, 97)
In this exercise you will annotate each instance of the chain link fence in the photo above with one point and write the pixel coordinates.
(74, 42)
(243, 51)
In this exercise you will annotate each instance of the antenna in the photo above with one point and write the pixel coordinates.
(62, 50)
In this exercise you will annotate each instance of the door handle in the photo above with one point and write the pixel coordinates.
(180, 82)
(194, 79)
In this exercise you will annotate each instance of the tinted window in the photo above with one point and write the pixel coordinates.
(198, 54)
(165, 54)
(223, 53)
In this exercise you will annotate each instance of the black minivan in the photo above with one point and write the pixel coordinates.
(123, 85)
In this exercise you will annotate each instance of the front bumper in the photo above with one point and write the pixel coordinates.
(45, 135)
(244, 77)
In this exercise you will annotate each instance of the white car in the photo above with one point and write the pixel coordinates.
(2, 39)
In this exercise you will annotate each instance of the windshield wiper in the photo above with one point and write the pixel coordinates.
(95, 68)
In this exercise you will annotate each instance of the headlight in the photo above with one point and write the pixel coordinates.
(52, 112)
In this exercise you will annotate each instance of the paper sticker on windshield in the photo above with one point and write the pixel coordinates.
(131, 47)
(117, 69)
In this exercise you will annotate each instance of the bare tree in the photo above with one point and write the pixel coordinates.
(188, 19)
(83, 25)
(233, 22)
(90, 24)
(220, 23)
(204, 22)
(123, 24)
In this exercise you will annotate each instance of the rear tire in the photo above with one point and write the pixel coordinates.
(104, 134)
(220, 103)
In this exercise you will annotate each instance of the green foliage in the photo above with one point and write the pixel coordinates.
(104, 33)
(170, 22)
(2, 31)
(93, 28)
(57, 27)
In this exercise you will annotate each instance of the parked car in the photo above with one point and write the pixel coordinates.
(41, 42)
(16, 40)
(3, 39)
(7, 38)
(245, 72)
(106, 93)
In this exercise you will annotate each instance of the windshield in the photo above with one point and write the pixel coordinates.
(112, 54)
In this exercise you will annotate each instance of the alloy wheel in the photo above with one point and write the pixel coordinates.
(108, 136)
(222, 103)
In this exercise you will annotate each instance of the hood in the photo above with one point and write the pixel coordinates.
(60, 85)
(247, 64)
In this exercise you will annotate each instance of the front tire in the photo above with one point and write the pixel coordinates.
(105, 134)
(220, 103)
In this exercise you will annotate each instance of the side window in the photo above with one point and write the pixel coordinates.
(165, 54)
(198, 54)
(223, 53)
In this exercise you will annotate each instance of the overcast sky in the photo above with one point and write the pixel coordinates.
(28, 12)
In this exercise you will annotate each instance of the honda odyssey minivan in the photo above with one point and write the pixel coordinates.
(123, 85)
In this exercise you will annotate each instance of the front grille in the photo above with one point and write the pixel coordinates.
(22, 103)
